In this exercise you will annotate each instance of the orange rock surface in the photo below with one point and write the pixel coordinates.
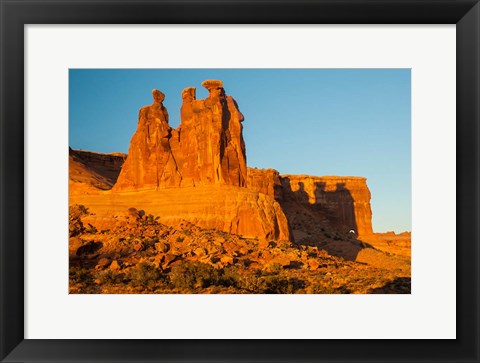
(266, 181)
(150, 162)
(343, 202)
(230, 209)
(198, 173)
(210, 148)
(207, 148)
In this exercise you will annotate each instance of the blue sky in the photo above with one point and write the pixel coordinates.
(299, 121)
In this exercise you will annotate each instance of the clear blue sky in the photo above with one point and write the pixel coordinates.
(298, 121)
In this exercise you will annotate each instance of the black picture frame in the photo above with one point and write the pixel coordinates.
(17, 13)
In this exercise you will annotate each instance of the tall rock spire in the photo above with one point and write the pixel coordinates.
(150, 162)
(207, 148)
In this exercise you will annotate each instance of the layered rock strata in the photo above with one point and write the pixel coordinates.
(225, 208)
(344, 206)
(342, 201)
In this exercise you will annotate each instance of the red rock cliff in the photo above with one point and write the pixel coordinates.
(346, 200)
(266, 181)
(197, 172)
(207, 148)
(342, 202)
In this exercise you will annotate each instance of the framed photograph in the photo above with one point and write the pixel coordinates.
(239, 181)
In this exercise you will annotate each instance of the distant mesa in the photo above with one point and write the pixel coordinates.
(198, 172)
(92, 171)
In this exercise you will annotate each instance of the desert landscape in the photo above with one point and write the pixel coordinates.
(183, 213)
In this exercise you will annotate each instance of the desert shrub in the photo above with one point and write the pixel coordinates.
(322, 289)
(78, 210)
(191, 275)
(80, 276)
(342, 290)
(229, 276)
(271, 284)
(149, 243)
(258, 282)
(180, 239)
(144, 275)
(275, 285)
(109, 277)
(252, 283)
(282, 285)
(296, 286)
(151, 219)
(246, 262)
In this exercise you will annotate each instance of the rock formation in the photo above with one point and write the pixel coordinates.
(198, 173)
(211, 148)
(266, 181)
(343, 202)
(150, 162)
(300, 202)
(207, 148)
(225, 208)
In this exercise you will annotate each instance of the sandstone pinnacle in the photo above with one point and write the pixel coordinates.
(207, 148)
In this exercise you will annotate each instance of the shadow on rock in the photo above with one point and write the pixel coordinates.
(89, 248)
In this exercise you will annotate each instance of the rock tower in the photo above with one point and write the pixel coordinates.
(207, 148)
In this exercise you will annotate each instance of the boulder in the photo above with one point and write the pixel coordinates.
(168, 259)
(115, 266)
(102, 263)
(162, 247)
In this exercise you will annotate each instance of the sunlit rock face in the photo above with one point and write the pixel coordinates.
(198, 173)
(91, 171)
(207, 148)
(210, 147)
(266, 181)
(342, 202)
(150, 162)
